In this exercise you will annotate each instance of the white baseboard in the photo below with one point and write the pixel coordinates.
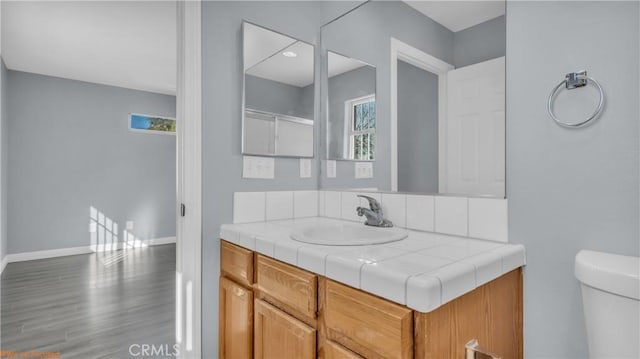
(161, 241)
(51, 253)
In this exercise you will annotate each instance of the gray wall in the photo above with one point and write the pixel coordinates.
(570, 189)
(276, 97)
(417, 129)
(3, 159)
(70, 148)
(346, 86)
(480, 43)
(221, 114)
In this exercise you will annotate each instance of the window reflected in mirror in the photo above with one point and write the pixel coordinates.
(352, 109)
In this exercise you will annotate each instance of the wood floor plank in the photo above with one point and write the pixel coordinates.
(91, 305)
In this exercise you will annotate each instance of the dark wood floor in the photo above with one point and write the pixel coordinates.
(90, 306)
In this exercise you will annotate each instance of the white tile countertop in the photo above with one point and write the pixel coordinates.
(423, 271)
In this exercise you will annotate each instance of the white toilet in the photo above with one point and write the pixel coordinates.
(611, 297)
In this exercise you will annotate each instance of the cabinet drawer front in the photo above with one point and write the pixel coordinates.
(293, 287)
(333, 350)
(368, 325)
(236, 320)
(236, 262)
(279, 335)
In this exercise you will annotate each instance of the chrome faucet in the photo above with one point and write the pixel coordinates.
(374, 214)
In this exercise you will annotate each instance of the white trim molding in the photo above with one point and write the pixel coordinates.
(71, 251)
(189, 180)
(3, 264)
(407, 53)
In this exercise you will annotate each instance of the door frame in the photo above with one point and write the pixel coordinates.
(422, 60)
(189, 180)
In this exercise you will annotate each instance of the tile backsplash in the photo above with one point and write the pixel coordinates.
(452, 215)
(483, 218)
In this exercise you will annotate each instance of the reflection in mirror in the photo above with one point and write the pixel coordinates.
(352, 109)
(441, 129)
(278, 94)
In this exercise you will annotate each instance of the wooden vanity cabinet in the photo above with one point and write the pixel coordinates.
(235, 325)
(285, 310)
(270, 309)
(491, 313)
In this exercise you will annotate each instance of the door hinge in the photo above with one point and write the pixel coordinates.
(182, 210)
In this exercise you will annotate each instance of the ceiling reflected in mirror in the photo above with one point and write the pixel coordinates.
(278, 102)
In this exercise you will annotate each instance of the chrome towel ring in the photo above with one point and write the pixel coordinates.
(572, 81)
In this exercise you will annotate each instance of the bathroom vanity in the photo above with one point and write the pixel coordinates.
(287, 299)
(330, 287)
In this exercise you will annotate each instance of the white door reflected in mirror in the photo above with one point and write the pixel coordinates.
(475, 132)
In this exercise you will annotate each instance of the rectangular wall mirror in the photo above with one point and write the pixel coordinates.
(351, 121)
(278, 102)
(440, 102)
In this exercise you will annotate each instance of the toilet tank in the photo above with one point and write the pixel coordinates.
(611, 300)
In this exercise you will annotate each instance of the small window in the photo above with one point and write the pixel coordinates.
(361, 114)
(153, 124)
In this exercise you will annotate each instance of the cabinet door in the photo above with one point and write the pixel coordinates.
(236, 320)
(281, 336)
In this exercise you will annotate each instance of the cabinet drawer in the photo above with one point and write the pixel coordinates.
(368, 325)
(333, 350)
(286, 286)
(279, 335)
(236, 262)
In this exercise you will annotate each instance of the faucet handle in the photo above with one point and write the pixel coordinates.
(373, 203)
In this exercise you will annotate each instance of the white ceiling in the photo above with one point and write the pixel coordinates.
(260, 43)
(263, 57)
(339, 64)
(129, 44)
(459, 15)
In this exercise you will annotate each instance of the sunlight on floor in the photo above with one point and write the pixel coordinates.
(104, 238)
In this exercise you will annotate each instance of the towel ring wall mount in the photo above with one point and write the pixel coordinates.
(572, 81)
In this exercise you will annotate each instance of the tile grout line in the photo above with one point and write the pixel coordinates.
(468, 217)
(265, 206)
(435, 208)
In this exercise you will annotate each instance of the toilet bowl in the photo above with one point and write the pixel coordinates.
(611, 299)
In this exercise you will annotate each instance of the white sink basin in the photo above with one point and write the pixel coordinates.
(347, 234)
